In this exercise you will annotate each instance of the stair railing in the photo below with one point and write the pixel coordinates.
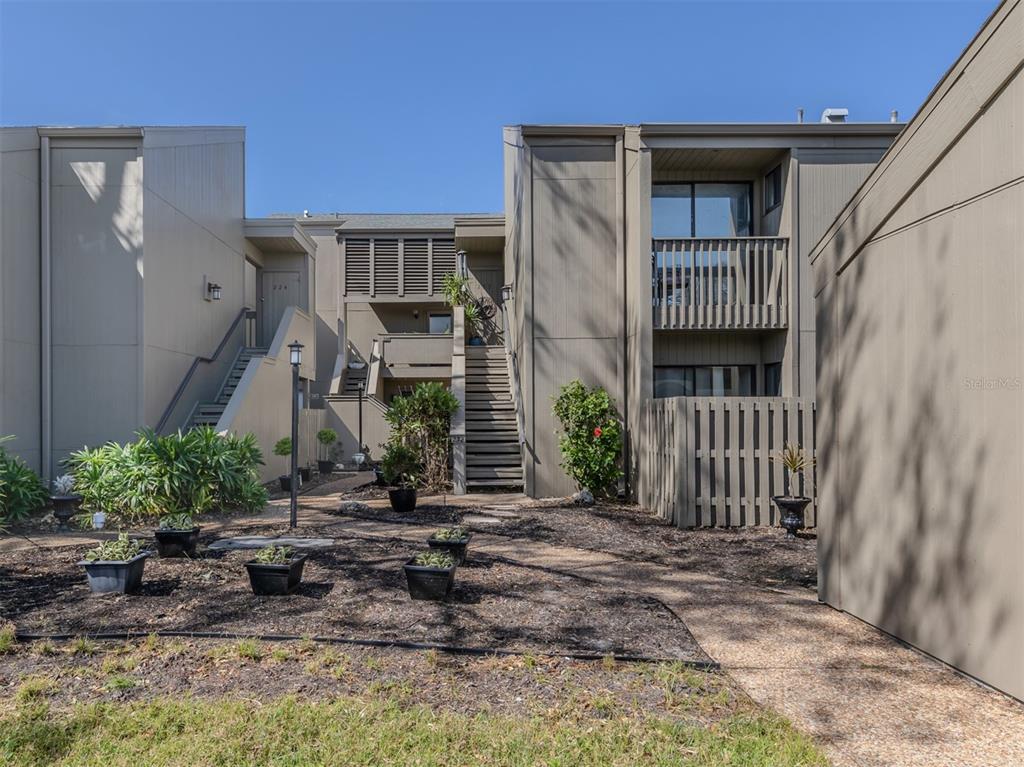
(196, 362)
(373, 376)
(512, 362)
(457, 433)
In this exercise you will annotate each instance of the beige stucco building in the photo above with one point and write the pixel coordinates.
(919, 286)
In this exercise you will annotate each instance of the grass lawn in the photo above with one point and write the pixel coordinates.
(167, 702)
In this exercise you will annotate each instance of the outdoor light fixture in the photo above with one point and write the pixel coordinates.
(460, 262)
(295, 357)
(506, 293)
(211, 290)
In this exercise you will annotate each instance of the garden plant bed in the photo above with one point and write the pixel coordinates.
(759, 555)
(355, 590)
(252, 702)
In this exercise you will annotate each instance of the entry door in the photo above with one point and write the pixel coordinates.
(280, 290)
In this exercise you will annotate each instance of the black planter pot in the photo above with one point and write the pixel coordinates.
(64, 508)
(305, 474)
(457, 548)
(792, 511)
(433, 583)
(325, 467)
(177, 543)
(286, 482)
(116, 577)
(275, 580)
(403, 499)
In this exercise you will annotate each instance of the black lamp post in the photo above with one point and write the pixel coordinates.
(295, 357)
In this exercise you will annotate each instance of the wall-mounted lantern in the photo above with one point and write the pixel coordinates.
(460, 263)
(212, 291)
(506, 293)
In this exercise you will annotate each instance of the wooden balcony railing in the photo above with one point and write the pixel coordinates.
(720, 283)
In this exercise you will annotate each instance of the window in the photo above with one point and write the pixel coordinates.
(773, 189)
(701, 210)
(704, 381)
(773, 379)
(440, 324)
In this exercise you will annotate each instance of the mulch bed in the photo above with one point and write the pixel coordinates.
(757, 555)
(355, 590)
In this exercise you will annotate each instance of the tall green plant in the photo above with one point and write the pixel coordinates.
(455, 289)
(422, 422)
(591, 436)
(191, 472)
(21, 490)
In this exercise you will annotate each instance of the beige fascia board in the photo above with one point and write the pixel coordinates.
(982, 73)
(279, 228)
(419, 231)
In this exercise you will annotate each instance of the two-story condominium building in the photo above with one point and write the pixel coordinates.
(658, 261)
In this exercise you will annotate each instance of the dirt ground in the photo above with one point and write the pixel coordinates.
(757, 555)
(356, 589)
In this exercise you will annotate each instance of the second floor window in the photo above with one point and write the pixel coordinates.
(701, 210)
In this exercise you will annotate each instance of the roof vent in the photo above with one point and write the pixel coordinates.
(833, 115)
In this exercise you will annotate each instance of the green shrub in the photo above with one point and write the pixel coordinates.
(283, 447)
(177, 522)
(450, 534)
(421, 422)
(273, 555)
(191, 473)
(591, 436)
(326, 437)
(121, 550)
(455, 289)
(437, 559)
(400, 465)
(21, 490)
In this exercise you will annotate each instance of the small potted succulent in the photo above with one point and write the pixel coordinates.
(401, 466)
(275, 571)
(452, 540)
(326, 438)
(283, 448)
(177, 536)
(115, 567)
(430, 575)
(65, 501)
(791, 507)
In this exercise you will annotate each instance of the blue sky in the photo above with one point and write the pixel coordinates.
(389, 107)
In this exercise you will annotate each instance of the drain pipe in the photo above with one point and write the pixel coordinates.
(45, 316)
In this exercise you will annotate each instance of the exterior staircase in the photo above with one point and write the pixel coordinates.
(352, 379)
(493, 454)
(209, 413)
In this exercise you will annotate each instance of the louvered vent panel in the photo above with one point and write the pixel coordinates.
(416, 268)
(357, 266)
(385, 267)
(444, 261)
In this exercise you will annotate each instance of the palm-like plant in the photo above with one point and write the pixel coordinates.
(795, 461)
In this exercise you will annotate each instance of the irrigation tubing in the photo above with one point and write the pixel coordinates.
(125, 636)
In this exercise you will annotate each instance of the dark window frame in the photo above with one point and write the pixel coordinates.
(774, 179)
(451, 322)
(693, 203)
(752, 368)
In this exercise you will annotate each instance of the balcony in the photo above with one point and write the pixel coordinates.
(720, 283)
(416, 349)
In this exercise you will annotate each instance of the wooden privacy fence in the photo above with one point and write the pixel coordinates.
(705, 461)
(310, 422)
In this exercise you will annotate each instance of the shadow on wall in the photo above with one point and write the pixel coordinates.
(913, 519)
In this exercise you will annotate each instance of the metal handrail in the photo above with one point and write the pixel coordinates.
(162, 423)
(512, 361)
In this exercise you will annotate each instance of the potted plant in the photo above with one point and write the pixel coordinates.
(177, 536)
(275, 571)
(401, 466)
(115, 566)
(791, 507)
(430, 575)
(283, 448)
(451, 540)
(65, 502)
(326, 437)
(472, 315)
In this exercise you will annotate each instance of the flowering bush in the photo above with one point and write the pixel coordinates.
(591, 436)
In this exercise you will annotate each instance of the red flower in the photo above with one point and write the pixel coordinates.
(597, 431)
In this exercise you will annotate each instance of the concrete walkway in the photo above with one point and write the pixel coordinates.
(868, 701)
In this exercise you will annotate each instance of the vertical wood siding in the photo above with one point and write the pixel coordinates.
(705, 462)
